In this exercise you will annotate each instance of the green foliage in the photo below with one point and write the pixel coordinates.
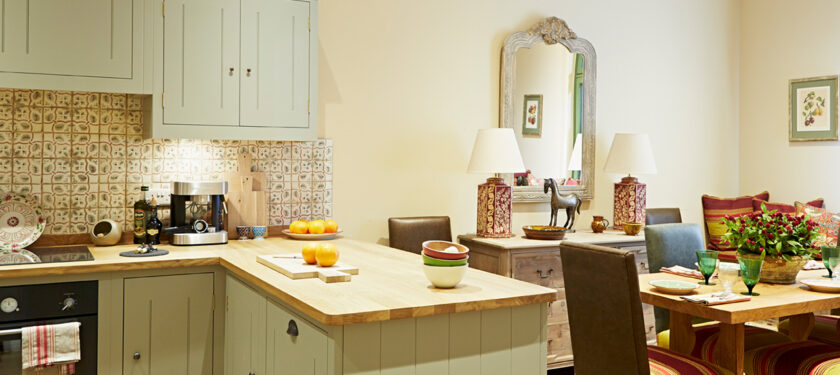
(772, 233)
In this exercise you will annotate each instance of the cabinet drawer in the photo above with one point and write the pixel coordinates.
(294, 346)
(542, 268)
(559, 343)
(650, 322)
(557, 310)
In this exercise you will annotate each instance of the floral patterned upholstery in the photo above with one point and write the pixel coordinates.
(665, 362)
(829, 223)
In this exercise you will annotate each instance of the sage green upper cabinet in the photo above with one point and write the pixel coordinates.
(201, 62)
(168, 325)
(275, 78)
(235, 69)
(84, 45)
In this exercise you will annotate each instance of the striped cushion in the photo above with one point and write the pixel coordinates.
(783, 207)
(665, 362)
(714, 209)
(825, 329)
(706, 337)
(795, 358)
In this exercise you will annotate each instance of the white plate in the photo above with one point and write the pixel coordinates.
(22, 221)
(674, 286)
(822, 285)
(311, 237)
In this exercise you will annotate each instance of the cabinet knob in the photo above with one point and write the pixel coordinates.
(136, 355)
(248, 72)
(293, 328)
(230, 71)
(545, 275)
(251, 373)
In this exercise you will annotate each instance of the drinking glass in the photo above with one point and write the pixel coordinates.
(829, 252)
(834, 265)
(750, 273)
(707, 260)
(728, 276)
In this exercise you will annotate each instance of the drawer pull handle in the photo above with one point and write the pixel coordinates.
(136, 355)
(251, 373)
(248, 72)
(644, 265)
(230, 71)
(293, 328)
(546, 274)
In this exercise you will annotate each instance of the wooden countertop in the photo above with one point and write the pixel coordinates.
(390, 284)
(608, 237)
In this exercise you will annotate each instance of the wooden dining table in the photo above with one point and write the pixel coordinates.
(795, 302)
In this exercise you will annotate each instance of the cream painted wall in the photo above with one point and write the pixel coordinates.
(774, 51)
(405, 85)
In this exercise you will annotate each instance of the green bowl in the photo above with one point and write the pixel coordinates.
(429, 261)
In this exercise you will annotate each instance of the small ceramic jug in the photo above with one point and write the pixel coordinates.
(599, 224)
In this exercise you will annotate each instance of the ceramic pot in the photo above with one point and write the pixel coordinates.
(259, 232)
(243, 231)
(632, 229)
(599, 224)
(776, 270)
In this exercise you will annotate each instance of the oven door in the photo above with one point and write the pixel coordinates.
(10, 354)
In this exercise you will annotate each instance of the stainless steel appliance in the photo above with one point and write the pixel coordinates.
(197, 212)
(32, 305)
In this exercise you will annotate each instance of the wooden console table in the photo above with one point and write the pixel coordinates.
(538, 262)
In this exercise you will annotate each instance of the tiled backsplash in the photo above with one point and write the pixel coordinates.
(83, 157)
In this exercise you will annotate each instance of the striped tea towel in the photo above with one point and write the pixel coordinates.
(682, 271)
(51, 347)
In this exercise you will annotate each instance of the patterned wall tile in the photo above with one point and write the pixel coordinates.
(82, 154)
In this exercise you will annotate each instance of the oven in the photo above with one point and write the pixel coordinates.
(30, 305)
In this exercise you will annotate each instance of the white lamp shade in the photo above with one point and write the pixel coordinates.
(496, 151)
(630, 154)
(576, 159)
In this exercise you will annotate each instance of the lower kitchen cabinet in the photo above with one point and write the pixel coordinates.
(168, 325)
(262, 337)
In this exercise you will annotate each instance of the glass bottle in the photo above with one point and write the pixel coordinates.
(154, 225)
(141, 216)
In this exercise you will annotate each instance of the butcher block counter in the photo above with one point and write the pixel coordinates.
(166, 311)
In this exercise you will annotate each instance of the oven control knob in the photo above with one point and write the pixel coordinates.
(9, 305)
(68, 304)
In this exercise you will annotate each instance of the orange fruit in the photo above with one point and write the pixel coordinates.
(316, 227)
(298, 226)
(331, 226)
(309, 252)
(327, 255)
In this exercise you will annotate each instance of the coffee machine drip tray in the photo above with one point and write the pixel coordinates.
(207, 238)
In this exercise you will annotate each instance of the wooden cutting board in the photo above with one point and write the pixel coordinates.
(246, 198)
(295, 268)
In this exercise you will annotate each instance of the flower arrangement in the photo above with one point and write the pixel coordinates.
(772, 233)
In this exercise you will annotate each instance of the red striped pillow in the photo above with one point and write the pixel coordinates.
(783, 207)
(714, 209)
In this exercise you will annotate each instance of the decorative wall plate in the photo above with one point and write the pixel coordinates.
(21, 256)
(22, 221)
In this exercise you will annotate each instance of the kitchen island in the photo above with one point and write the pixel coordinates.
(387, 319)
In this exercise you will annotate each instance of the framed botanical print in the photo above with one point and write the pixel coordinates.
(812, 109)
(532, 116)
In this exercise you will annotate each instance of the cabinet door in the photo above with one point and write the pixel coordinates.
(303, 353)
(201, 62)
(168, 325)
(275, 63)
(77, 38)
(244, 330)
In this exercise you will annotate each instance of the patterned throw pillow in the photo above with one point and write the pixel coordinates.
(829, 223)
(782, 207)
(714, 209)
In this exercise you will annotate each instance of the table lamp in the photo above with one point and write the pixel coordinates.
(630, 153)
(495, 151)
(576, 159)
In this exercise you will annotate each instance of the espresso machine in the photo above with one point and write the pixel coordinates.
(197, 212)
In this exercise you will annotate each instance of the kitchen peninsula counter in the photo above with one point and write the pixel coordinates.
(390, 284)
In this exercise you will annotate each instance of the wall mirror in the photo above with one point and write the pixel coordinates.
(548, 98)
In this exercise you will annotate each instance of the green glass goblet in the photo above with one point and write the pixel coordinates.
(829, 252)
(707, 260)
(750, 273)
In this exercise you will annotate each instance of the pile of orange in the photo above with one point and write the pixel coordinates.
(313, 227)
(325, 254)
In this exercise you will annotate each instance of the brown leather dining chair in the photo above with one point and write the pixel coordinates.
(409, 233)
(662, 216)
(605, 317)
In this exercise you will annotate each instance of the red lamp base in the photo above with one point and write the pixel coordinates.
(494, 209)
(629, 202)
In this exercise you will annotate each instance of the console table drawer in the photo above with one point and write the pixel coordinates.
(539, 268)
(559, 343)
(557, 310)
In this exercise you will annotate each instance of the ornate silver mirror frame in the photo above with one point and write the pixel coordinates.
(551, 31)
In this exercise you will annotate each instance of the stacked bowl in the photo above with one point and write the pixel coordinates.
(444, 262)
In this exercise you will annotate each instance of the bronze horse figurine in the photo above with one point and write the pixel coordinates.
(570, 202)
